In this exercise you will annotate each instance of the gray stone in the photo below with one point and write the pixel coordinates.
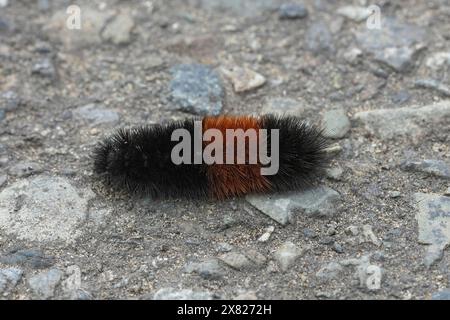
(28, 258)
(441, 295)
(43, 5)
(266, 235)
(398, 58)
(338, 248)
(395, 44)
(292, 11)
(336, 124)
(248, 8)
(44, 68)
(401, 97)
(9, 101)
(394, 194)
(434, 85)
(447, 192)
(367, 235)
(309, 233)
(197, 89)
(71, 286)
(286, 255)
(224, 247)
(352, 55)
(352, 230)
(433, 218)
(25, 169)
(8, 280)
(251, 295)
(207, 269)
(3, 179)
(44, 208)
(412, 121)
(433, 167)
(44, 283)
(237, 260)
(283, 106)
(256, 257)
(438, 60)
(318, 38)
(334, 173)
(96, 114)
(330, 271)
(320, 202)
(118, 31)
(2, 114)
(181, 294)
(243, 79)
(4, 25)
(355, 13)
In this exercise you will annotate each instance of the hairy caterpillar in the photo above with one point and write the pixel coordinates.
(142, 159)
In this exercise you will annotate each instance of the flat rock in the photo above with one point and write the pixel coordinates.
(236, 260)
(3, 179)
(96, 114)
(8, 280)
(267, 233)
(438, 60)
(355, 13)
(367, 235)
(207, 269)
(335, 123)
(320, 202)
(330, 271)
(118, 31)
(246, 8)
(71, 286)
(286, 255)
(412, 121)
(44, 284)
(181, 294)
(433, 167)
(35, 259)
(292, 11)
(334, 173)
(243, 79)
(441, 295)
(44, 208)
(283, 106)
(433, 218)
(318, 38)
(395, 44)
(197, 89)
(435, 85)
(44, 68)
(25, 169)
(9, 101)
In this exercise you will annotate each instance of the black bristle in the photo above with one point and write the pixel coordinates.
(302, 152)
(139, 160)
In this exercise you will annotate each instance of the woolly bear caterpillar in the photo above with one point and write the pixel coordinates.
(140, 159)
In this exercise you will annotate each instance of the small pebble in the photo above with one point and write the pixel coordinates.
(292, 11)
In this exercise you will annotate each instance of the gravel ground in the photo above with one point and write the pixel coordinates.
(376, 227)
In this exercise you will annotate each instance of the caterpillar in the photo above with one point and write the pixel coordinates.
(196, 158)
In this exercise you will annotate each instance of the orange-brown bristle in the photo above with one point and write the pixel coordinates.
(228, 180)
